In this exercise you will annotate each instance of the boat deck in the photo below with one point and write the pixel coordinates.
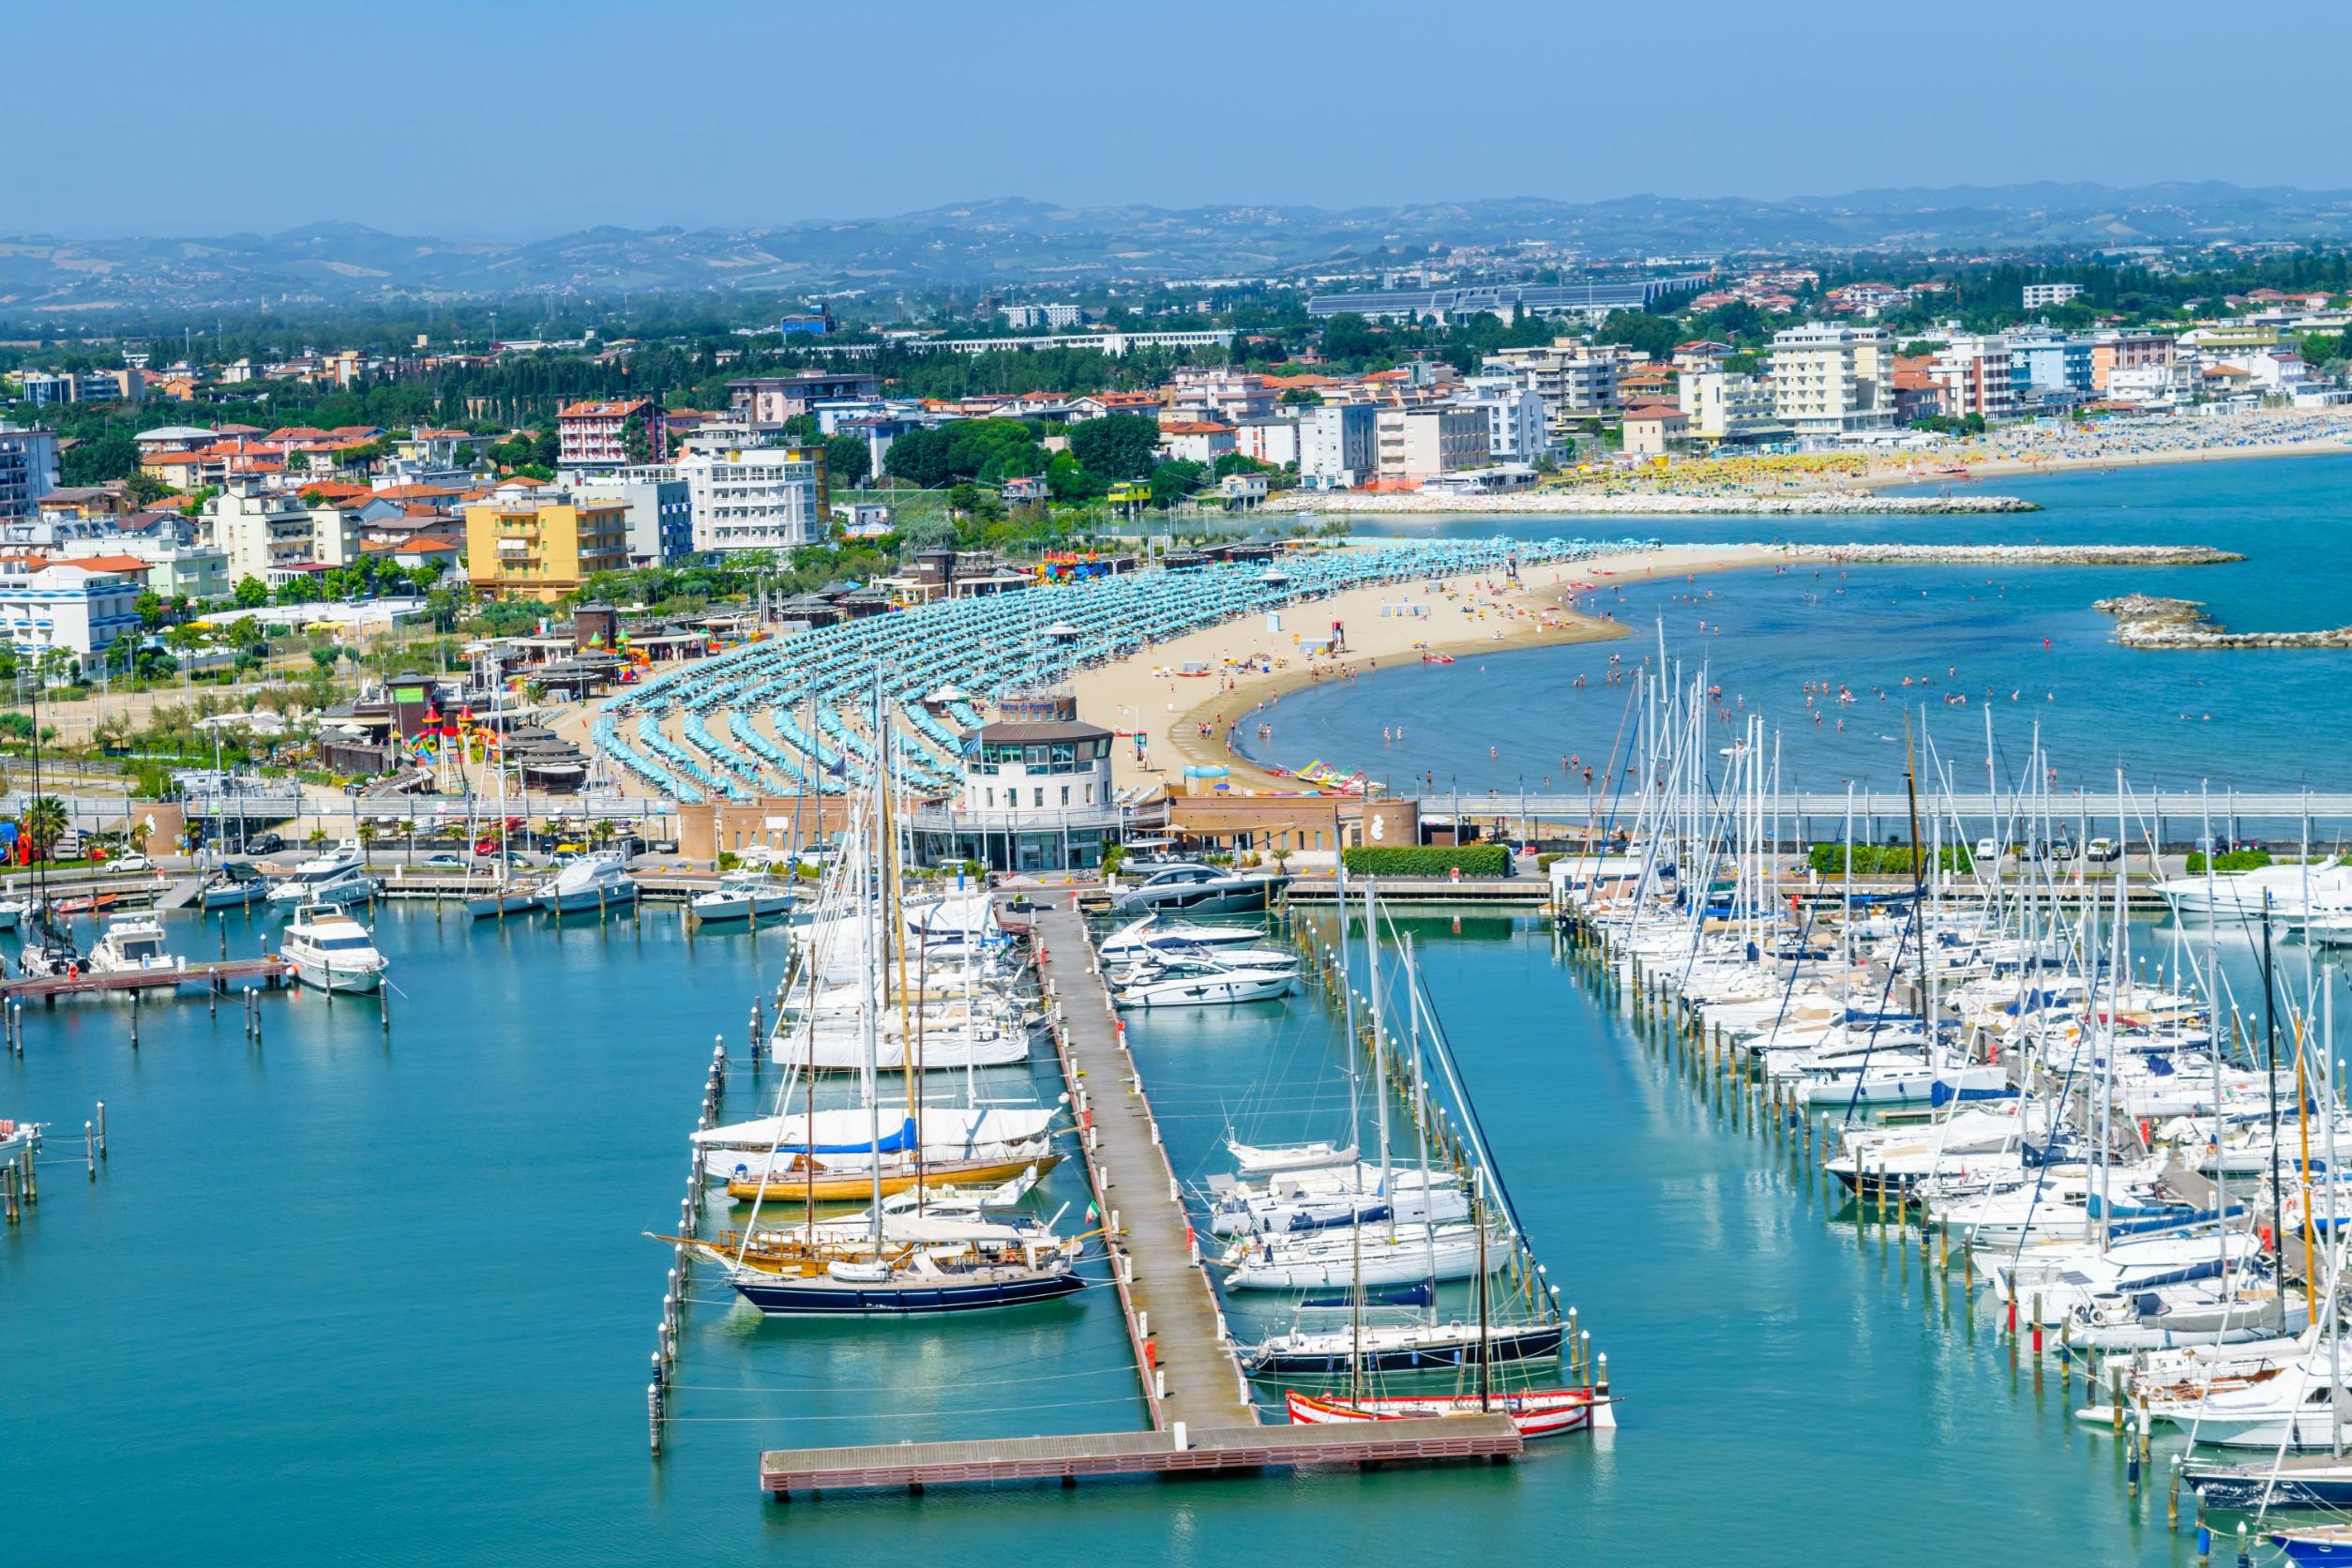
(784, 1471)
(268, 971)
(1170, 1295)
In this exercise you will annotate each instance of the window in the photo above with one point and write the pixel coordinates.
(1064, 755)
(1065, 794)
(1035, 756)
(1041, 795)
(991, 795)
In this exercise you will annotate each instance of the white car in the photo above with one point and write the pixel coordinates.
(133, 863)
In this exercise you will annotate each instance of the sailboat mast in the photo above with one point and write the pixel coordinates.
(2271, 1055)
(1421, 1125)
(1380, 1046)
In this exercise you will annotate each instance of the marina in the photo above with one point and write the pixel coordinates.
(1688, 1209)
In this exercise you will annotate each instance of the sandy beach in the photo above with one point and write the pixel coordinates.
(1468, 617)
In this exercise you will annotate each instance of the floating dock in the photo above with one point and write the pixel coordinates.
(1175, 1452)
(269, 972)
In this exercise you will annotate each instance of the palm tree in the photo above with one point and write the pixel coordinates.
(44, 824)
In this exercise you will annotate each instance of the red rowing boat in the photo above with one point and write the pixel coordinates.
(1536, 1413)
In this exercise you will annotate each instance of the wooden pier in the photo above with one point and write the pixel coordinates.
(1203, 1420)
(1174, 1323)
(1175, 1452)
(268, 971)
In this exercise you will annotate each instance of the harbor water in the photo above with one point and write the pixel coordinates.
(339, 1296)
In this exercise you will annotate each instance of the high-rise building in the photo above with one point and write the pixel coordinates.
(28, 471)
(756, 497)
(1831, 381)
(267, 532)
(1975, 372)
(659, 508)
(611, 434)
(1417, 444)
(1336, 448)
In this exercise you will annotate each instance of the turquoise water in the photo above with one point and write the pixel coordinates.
(340, 1298)
(2175, 721)
(345, 1297)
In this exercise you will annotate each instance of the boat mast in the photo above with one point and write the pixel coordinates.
(2270, 1053)
(1478, 1217)
(1379, 1046)
(1421, 1127)
(870, 975)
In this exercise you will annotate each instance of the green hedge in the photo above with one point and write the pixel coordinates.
(2229, 860)
(1882, 860)
(1472, 860)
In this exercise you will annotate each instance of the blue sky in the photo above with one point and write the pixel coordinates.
(514, 118)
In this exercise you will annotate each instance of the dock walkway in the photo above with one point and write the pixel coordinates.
(1172, 1313)
(784, 1471)
(270, 971)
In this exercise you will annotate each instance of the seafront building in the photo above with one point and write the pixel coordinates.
(542, 542)
(1831, 381)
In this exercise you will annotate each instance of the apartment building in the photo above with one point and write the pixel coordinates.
(1727, 406)
(611, 434)
(1517, 428)
(1220, 395)
(542, 542)
(2048, 368)
(1337, 449)
(1413, 445)
(265, 533)
(773, 400)
(756, 497)
(2041, 296)
(168, 566)
(1573, 378)
(1976, 375)
(28, 471)
(64, 604)
(1831, 382)
(660, 506)
(2111, 352)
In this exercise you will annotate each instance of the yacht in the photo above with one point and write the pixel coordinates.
(132, 944)
(338, 876)
(2293, 893)
(235, 885)
(1151, 934)
(745, 896)
(1195, 889)
(332, 951)
(1199, 982)
(592, 883)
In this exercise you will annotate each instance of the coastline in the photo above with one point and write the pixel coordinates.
(1472, 617)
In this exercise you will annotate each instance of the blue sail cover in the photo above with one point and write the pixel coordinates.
(1418, 1294)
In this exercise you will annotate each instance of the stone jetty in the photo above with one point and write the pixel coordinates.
(2144, 620)
(2014, 555)
(1577, 504)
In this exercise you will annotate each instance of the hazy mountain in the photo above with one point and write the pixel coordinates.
(1013, 240)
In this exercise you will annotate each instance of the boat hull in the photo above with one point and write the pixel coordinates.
(328, 977)
(591, 902)
(1536, 1414)
(831, 1298)
(1502, 1347)
(857, 1186)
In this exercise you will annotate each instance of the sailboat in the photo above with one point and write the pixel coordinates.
(48, 951)
(893, 1265)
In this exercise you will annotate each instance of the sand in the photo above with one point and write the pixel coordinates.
(1474, 616)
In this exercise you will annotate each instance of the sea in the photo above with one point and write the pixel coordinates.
(2021, 643)
(359, 1294)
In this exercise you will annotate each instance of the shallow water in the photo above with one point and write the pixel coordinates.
(2023, 641)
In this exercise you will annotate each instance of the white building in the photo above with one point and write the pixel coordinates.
(63, 603)
(1831, 381)
(1571, 377)
(28, 471)
(1411, 444)
(659, 503)
(263, 531)
(2040, 295)
(1337, 449)
(1274, 441)
(1516, 429)
(1020, 318)
(1727, 405)
(1976, 375)
(756, 497)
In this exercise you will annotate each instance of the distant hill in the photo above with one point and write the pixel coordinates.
(1010, 240)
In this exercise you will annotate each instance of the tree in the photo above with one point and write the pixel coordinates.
(152, 610)
(251, 594)
(1116, 446)
(1348, 336)
(1173, 481)
(1302, 397)
(847, 458)
(636, 443)
(44, 824)
(1652, 336)
(58, 666)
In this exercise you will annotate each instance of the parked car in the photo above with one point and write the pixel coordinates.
(1988, 851)
(2102, 851)
(446, 862)
(133, 863)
